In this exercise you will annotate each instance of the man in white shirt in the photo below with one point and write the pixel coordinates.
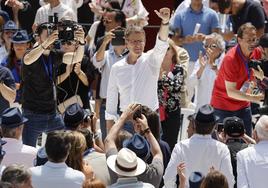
(55, 172)
(135, 77)
(16, 152)
(53, 6)
(200, 152)
(252, 162)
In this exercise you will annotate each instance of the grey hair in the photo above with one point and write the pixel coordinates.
(261, 128)
(134, 29)
(218, 40)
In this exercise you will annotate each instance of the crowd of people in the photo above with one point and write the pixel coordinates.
(112, 113)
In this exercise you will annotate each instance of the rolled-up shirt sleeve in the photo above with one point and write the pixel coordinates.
(99, 64)
(158, 53)
(112, 97)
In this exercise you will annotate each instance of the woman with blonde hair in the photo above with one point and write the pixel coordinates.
(75, 157)
(172, 92)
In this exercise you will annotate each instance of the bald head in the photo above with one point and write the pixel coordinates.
(261, 128)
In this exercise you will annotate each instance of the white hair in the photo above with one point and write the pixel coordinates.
(218, 40)
(261, 128)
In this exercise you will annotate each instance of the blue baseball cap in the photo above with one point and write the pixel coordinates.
(10, 25)
(20, 36)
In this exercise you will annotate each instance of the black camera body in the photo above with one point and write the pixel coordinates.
(255, 63)
(66, 28)
(119, 39)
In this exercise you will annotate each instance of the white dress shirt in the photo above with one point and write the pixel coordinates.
(205, 83)
(63, 11)
(105, 66)
(135, 83)
(199, 153)
(56, 175)
(252, 166)
(16, 152)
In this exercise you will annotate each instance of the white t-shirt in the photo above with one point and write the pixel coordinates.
(72, 4)
(62, 10)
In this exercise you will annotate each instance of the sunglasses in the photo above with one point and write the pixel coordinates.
(210, 46)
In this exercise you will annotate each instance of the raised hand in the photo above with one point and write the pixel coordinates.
(164, 14)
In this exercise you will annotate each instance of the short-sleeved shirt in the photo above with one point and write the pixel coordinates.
(7, 78)
(186, 21)
(233, 69)
(251, 12)
(37, 86)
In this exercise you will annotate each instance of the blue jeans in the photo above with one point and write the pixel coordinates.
(103, 121)
(39, 123)
(244, 114)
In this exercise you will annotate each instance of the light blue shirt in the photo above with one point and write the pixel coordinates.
(56, 175)
(105, 66)
(186, 20)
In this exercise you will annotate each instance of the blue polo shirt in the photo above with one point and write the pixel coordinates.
(186, 20)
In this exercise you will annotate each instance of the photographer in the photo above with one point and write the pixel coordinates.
(263, 45)
(104, 60)
(7, 88)
(231, 94)
(39, 75)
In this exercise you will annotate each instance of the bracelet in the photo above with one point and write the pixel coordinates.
(164, 23)
(145, 131)
(96, 136)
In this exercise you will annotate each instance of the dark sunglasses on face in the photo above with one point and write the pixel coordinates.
(210, 46)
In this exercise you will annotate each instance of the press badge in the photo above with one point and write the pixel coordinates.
(248, 87)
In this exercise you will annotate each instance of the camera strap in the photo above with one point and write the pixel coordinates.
(245, 61)
(123, 3)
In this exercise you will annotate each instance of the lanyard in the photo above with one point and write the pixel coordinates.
(245, 61)
(88, 151)
(17, 64)
(48, 66)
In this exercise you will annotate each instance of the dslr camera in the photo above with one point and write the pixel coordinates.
(255, 63)
(66, 28)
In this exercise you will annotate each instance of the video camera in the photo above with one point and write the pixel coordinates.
(66, 28)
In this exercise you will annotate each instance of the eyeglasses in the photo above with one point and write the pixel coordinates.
(251, 40)
(213, 45)
(135, 42)
(108, 9)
